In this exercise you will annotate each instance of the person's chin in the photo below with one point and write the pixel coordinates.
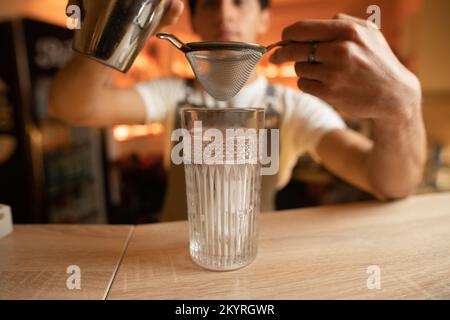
(228, 37)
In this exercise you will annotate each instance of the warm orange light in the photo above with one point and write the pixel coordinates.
(144, 68)
(142, 62)
(287, 71)
(129, 132)
(121, 133)
(155, 129)
(272, 71)
(182, 69)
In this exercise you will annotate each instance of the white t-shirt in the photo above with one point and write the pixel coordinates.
(305, 121)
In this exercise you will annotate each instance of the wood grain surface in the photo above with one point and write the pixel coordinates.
(320, 253)
(34, 260)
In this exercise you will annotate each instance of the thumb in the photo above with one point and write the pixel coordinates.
(173, 14)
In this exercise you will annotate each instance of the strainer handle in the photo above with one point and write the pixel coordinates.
(174, 40)
(280, 44)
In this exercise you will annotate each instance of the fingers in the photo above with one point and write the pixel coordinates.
(173, 14)
(324, 53)
(296, 52)
(343, 16)
(309, 71)
(361, 22)
(320, 30)
(313, 87)
(331, 54)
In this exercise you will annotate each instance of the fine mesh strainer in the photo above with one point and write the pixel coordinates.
(222, 67)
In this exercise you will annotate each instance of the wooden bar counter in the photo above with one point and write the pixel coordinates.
(320, 253)
(34, 260)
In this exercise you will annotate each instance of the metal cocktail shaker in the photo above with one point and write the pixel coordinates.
(113, 32)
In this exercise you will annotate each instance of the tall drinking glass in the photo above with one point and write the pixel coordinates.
(223, 182)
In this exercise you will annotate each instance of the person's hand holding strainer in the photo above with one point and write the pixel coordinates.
(348, 63)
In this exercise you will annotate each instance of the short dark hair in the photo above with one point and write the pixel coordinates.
(193, 4)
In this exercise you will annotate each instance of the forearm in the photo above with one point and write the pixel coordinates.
(76, 89)
(83, 94)
(395, 163)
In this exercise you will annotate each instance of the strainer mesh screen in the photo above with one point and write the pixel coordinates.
(223, 73)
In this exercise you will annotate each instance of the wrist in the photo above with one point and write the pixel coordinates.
(406, 105)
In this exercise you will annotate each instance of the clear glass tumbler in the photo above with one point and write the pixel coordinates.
(223, 183)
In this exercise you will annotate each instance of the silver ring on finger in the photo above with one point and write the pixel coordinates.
(312, 53)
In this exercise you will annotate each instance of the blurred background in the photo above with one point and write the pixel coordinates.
(53, 173)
